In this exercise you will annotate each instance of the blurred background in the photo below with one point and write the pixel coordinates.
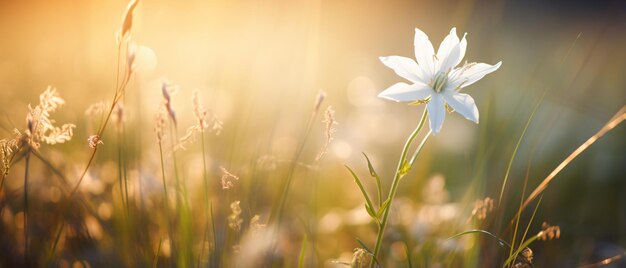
(259, 66)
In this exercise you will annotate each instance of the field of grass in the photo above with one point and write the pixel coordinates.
(250, 134)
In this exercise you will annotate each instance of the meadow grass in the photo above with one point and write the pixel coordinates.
(189, 204)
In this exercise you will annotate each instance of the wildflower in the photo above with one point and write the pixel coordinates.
(436, 79)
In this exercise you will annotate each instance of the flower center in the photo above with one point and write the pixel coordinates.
(439, 82)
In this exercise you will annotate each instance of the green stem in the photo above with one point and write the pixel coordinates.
(396, 181)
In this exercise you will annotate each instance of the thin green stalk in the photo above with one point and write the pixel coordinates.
(292, 167)
(206, 196)
(166, 199)
(400, 172)
(186, 259)
(528, 226)
(519, 141)
(519, 211)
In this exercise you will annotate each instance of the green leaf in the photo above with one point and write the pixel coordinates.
(373, 173)
(383, 207)
(478, 231)
(370, 167)
(368, 202)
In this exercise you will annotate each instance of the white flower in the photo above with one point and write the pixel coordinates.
(436, 79)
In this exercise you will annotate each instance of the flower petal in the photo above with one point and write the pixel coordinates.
(476, 72)
(436, 112)
(405, 92)
(455, 55)
(463, 104)
(462, 49)
(405, 67)
(424, 52)
(447, 45)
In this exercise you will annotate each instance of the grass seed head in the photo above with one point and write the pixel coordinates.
(360, 258)
(93, 141)
(227, 179)
(330, 122)
(482, 208)
(549, 232)
(40, 127)
(234, 219)
(127, 21)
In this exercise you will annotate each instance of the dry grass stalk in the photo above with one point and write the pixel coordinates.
(40, 128)
(96, 109)
(619, 117)
(159, 124)
(360, 258)
(606, 261)
(228, 179)
(93, 141)
(318, 101)
(127, 21)
(131, 54)
(549, 232)
(329, 121)
(167, 89)
(481, 208)
(7, 147)
(118, 116)
(201, 125)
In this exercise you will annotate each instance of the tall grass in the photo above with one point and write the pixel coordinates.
(175, 204)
